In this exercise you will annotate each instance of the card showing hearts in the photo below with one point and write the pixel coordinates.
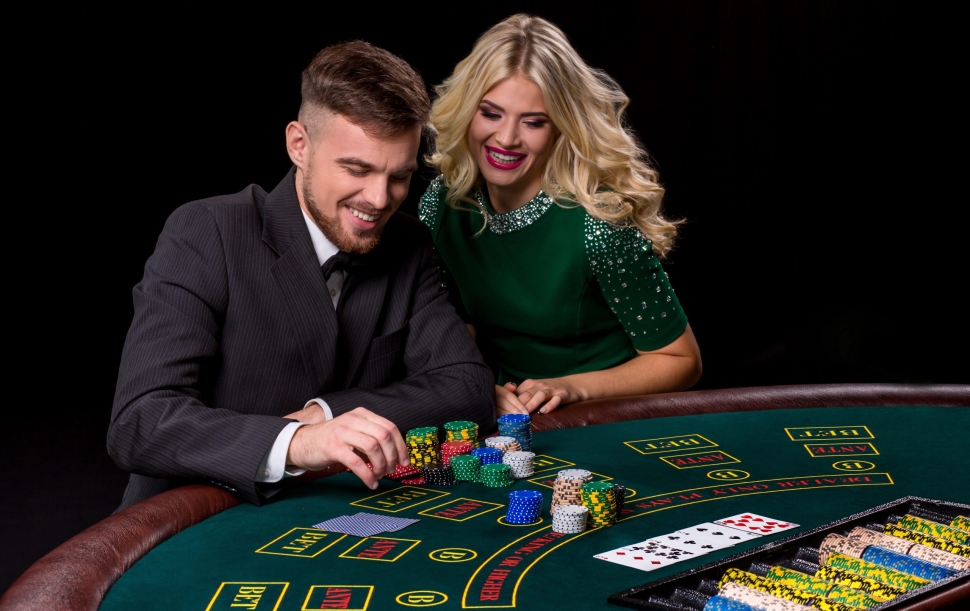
(753, 523)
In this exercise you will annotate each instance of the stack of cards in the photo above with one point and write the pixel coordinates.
(698, 540)
(364, 524)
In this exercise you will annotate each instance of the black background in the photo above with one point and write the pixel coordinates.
(813, 147)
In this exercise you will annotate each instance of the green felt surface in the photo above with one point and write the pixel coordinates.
(912, 451)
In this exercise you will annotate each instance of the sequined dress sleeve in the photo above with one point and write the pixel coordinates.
(634, 284)
(430, 207)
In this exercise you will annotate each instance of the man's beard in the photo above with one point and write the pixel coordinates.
(358, 243)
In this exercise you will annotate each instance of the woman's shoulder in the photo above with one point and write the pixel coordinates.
(607, 243)
(432, 201)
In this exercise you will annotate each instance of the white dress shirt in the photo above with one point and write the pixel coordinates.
(273, 468)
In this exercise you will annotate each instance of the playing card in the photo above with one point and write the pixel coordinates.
(390, 523)
(351, 525)
(752, 522)
(712, 536)
(647, 555)
(363, 524)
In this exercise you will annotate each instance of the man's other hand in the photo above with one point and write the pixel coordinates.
(352, 439)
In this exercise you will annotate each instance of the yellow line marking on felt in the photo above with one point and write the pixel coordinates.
(710, 443)
(314, 555)
(366, 602)
(788, 431)
(285, 585)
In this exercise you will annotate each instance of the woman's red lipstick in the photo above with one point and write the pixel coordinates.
(495, 163)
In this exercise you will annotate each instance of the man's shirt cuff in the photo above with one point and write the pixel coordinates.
(323, 404)
(273, 468)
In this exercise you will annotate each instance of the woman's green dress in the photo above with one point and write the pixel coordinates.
(551, 290)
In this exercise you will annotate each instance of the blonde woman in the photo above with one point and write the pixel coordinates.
(547, 225)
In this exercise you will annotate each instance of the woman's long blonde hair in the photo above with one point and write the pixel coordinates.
(597, 162)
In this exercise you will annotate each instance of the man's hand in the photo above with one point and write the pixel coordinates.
(506, 402)
(352, 439)
(547, 395)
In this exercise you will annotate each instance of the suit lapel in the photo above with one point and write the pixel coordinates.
(306, 299)
(359, 312)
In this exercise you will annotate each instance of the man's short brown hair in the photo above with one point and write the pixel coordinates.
(368, 85)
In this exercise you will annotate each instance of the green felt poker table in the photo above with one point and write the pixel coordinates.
(808, 455)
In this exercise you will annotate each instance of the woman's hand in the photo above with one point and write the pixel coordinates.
(506, 402)
(547, 395)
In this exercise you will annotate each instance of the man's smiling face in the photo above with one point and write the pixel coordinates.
(350, 182)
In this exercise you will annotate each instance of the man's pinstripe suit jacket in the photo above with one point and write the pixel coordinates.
(234, 327)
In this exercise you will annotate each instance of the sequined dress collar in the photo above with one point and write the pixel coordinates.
(517, 219)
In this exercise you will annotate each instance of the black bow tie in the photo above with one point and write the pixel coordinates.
(341, 261)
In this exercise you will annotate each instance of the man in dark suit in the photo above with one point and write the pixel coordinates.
(301, 328)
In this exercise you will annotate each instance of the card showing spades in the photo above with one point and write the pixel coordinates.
(709, 536)
(647, 555)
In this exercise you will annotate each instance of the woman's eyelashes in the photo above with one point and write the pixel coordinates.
(531, 123)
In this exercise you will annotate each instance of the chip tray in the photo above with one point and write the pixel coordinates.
(784, 550)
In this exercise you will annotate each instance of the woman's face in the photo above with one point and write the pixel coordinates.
(511, 136)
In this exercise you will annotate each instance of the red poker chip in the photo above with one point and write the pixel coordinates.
(414, 481)
(402, 471)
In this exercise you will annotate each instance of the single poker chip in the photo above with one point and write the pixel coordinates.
(402, 471)
(414, 481)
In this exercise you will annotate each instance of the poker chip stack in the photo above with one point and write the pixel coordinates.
(466, 467)
(566, 488)
(929, 527)
(569, 519)
(517, 426)
(619, 494)
(524, 507)
(488, 456)
(601, 501)
(461, 430)
(520, 463)
(496, 475)
(450, 449)
(506, 444)
(910, 548)
(439, 473)
(857, 548)
(423, 446)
